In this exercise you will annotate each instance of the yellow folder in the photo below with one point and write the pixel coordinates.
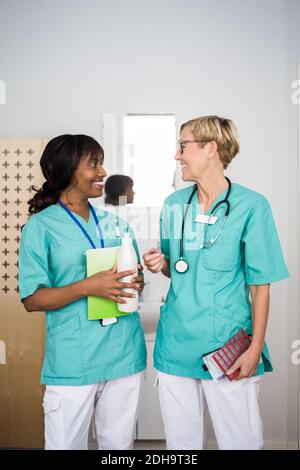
(97, 260)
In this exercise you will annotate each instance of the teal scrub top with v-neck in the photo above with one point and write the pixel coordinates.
(210, 302)
(78, 351)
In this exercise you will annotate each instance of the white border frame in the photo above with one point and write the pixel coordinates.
(298, 306)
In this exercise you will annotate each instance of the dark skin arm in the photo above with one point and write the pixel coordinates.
(106, 284)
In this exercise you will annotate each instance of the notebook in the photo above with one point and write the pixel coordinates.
(220, 361)
(97, 260)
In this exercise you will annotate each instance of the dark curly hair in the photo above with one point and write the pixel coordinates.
(59, 162)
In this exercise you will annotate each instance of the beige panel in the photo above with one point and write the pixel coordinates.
(21, 417)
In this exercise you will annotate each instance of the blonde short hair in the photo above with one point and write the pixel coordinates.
(221, 130)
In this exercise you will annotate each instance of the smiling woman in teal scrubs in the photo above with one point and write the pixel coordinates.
(220, 278)
(88, 367)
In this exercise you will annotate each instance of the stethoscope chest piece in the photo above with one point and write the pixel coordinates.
(181, 266)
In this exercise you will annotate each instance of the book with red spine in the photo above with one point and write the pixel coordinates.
(226, 356)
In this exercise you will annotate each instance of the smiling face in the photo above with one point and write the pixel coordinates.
(88, 177)
(196, 159)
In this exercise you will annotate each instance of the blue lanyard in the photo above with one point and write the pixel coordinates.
(82, 228)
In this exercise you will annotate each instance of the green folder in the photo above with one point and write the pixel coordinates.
(97, 260)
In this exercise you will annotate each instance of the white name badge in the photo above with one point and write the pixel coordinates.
(109, 321)
(202, 218)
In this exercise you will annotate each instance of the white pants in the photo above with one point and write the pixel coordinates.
(233, 408)
(69, 409)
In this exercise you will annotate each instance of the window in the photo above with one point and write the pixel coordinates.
(149, 147)
(142, 146)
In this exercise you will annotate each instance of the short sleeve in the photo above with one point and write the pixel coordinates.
(264, 261)
(165, 231)
(33, 259)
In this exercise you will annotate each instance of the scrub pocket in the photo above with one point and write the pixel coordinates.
(63, 358)
(226, 323)
(51, 402)
(224, 253)
(53, 420)
(110, 347)
(229, 387)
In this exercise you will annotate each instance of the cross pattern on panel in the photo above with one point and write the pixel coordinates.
(19, 170)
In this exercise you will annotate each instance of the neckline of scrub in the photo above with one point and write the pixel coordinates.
(223, 193)
(87, 222)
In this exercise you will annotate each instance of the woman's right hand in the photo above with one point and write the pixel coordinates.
(154, 260)
(107, 284)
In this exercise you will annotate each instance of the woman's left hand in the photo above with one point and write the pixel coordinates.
(140, 278)
(246, 365)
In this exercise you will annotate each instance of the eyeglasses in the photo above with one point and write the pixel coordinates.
(182, 143)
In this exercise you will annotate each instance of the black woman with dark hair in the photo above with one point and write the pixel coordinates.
(88, 367)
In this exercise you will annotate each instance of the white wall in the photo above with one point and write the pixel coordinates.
(65, 62)
(293, 59)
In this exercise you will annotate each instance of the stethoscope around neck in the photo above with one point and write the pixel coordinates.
(181, 265)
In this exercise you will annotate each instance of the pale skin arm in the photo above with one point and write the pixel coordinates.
(248, 362)
(106, 284)
(155, 262)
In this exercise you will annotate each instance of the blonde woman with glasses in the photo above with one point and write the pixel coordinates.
(220, 247)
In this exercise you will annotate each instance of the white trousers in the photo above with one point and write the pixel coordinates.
(233, 408)
(69, 410)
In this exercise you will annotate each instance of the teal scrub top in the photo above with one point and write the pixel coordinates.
(78, 351)
(210, 303)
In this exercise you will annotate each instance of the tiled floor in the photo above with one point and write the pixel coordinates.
(138, 445)
(149, 445)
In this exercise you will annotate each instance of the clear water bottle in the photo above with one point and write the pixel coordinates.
(127, 260)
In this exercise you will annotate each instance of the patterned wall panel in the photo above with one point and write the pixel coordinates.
(19, 170)
(21, 418)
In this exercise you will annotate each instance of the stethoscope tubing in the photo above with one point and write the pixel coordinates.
(224, 201)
